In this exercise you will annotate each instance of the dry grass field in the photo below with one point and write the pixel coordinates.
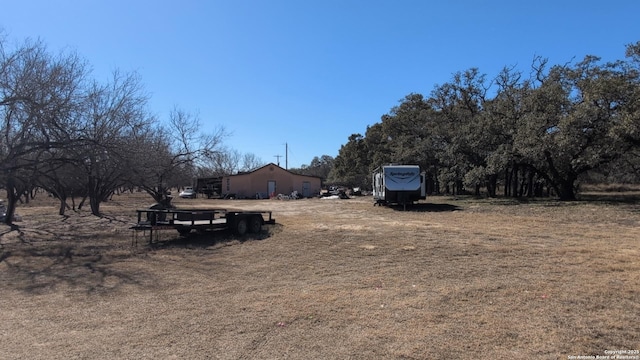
(333, 279)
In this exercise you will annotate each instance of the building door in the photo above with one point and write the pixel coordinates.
(271, 188)
(306, 189)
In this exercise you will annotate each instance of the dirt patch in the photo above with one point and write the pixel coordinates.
(333, 279)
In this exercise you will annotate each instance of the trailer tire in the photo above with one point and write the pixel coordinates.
(255, 224)
(151, 218)
(240, 225)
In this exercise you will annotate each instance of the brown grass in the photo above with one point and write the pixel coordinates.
(333, 279)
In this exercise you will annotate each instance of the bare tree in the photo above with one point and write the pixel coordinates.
(171, 154)
(113, 113)
(62, 180)
(39, 94)
(58, 131)
(251, 161)
(225, 161)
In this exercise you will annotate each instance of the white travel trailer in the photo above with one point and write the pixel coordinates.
(398, 184)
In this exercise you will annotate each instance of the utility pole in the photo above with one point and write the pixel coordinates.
(278, 157)
(286, 156)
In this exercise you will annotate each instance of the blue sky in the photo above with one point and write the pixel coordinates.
(311, 73)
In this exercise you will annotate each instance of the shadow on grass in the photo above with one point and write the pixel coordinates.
(621, 198)
(92, 267)
(86, 268)
(204, 240)
(426, 207)
(611, 197)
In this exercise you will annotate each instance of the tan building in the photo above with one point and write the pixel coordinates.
(269, 180)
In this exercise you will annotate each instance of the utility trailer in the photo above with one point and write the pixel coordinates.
(187, 220)
(398, 185)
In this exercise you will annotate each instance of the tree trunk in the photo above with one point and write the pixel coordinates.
(530, 185)
(12, 199)
(63, 205)
(566, 190)
(523, 185)
(492, 184)
(81, 204)
(94, 202)
(94, 196)
(563, 184)
(507, 182)
(514, 181)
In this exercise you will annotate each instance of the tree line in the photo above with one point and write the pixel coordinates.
(535, 134)
(74, 136)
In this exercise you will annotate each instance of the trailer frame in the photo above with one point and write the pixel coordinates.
(200, 220)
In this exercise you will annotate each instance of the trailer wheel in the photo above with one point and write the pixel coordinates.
(240, 226)
(255, 224)
(151, 218)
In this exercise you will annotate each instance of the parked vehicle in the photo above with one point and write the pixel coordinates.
(211, 187)
(201, 220)
(398, 184)
(188, 193)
